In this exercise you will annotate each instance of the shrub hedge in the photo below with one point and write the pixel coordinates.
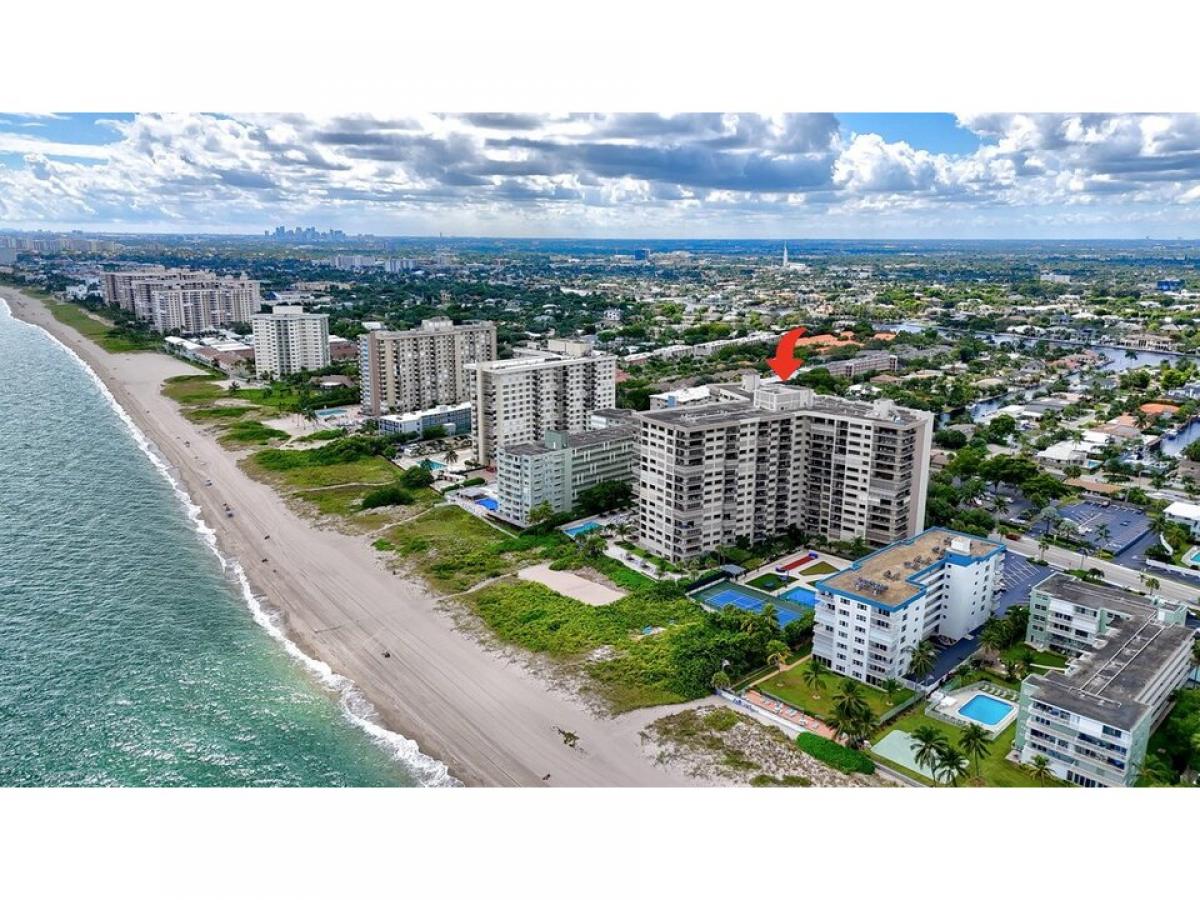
(842, 758)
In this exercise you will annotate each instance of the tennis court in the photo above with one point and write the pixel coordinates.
(723, 594)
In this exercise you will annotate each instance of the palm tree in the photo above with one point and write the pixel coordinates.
(1040, 766)
(951, 765)
(1103, 532)
(814, 676)
(974, 743)
(923, 659)
(451, 456)
(891, 687)
(850, 699)
(994, 637)
(1152, 583)
(1043, 544)
(720, 680)
(926, 742)
(777, 653)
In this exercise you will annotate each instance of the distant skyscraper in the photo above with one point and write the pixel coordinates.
(785, 254)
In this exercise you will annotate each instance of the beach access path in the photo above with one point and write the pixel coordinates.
(488, 718)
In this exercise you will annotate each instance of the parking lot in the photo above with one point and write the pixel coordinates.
(1126, 525)
(1018, 576)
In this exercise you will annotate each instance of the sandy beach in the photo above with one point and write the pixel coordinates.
(490, 720)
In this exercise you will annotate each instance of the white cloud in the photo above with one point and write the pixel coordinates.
(628, 173)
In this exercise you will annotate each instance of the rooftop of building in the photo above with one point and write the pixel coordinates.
(886, 578)
(544, 359)
(1098, 596)
(571, 441)
(787, 398)
(1109, 683)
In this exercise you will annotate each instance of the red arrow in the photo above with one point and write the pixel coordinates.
(784, 362)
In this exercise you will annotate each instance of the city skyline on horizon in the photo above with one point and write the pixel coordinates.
(640, 176)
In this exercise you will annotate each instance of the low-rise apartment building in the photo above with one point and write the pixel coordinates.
(455, 419)
(871, 616)
(559, 468)
(781, 458)
(1093, 721)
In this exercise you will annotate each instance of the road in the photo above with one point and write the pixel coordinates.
(1113, 573)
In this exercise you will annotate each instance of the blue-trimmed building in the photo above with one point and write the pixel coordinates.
(871, 616)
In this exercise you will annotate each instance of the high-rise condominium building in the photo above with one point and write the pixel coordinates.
(712, 474)
(871, 616)
(184, 300)
(289, 340)
(518, 400)
(192, 305)
(1093, 720)
(409, 371)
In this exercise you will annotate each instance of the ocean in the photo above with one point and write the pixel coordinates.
(131, 653)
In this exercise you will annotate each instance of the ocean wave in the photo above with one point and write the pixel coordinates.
(354, 706)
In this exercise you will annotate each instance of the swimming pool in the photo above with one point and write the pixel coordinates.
(330, 413)
(433, 464)
(802, 595)
(985, 709)
(1193, 558)
(576, 530)
(488, 503)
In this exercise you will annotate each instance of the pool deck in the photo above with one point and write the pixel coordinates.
(949, 708)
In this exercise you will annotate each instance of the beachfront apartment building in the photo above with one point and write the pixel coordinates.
(516, 401)
(559, 468)
(195, 305)
(418, 369)
(453, 419)
(871, 616)
(288, 340)
(1093, 721)
(187, 301)
(775, 458)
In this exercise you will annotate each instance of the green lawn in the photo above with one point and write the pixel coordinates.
(995, 770)
(455, 550)
(1044, 658)
(372, 470)
(769, 581)
(789, 686)
(637, 671)
(250, 433)
(111, 338)
(819, 568)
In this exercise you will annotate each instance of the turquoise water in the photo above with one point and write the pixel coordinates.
(576, 530)
(802, 595)
(985, 709)
(128, 652)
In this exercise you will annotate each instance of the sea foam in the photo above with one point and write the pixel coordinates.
(354, 706)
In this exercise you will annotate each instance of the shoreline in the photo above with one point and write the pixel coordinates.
(478, 714)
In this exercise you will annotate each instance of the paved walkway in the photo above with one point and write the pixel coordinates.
(571, 585)
(790, 714)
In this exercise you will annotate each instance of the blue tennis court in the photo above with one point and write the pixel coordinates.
(731, 597)
(722, 595)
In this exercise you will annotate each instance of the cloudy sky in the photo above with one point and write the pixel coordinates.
(609, 175)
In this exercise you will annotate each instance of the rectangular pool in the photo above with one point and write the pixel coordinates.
(985, 709)
(802, 595)
(576, 530)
